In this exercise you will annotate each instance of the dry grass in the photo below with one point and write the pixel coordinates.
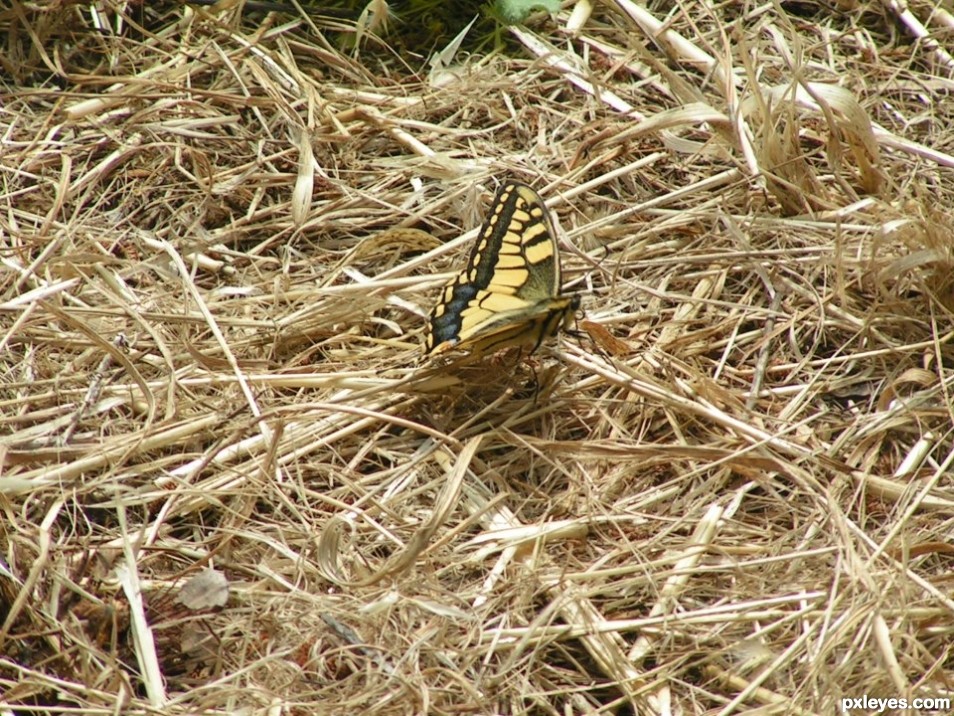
(733, 494)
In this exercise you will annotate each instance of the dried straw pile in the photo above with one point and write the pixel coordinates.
(732, 494)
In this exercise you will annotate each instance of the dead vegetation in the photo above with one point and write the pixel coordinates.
(733, 494)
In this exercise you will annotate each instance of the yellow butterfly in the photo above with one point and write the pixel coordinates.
(509, 294)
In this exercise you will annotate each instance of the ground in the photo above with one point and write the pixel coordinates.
(230, 483)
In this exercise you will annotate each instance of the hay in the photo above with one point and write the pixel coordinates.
(732, 493)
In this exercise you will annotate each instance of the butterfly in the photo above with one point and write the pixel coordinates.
(509, 293)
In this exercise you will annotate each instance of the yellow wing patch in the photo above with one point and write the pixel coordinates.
(509, 293)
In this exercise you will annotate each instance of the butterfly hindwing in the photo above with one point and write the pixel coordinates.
(509, 292)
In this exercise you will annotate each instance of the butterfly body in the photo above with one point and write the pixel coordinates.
(508, 295)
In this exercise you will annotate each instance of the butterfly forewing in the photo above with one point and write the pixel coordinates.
(509, 292)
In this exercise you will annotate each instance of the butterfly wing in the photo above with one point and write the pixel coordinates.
(508, 294)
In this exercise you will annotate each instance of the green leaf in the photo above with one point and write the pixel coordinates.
(514, 12)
